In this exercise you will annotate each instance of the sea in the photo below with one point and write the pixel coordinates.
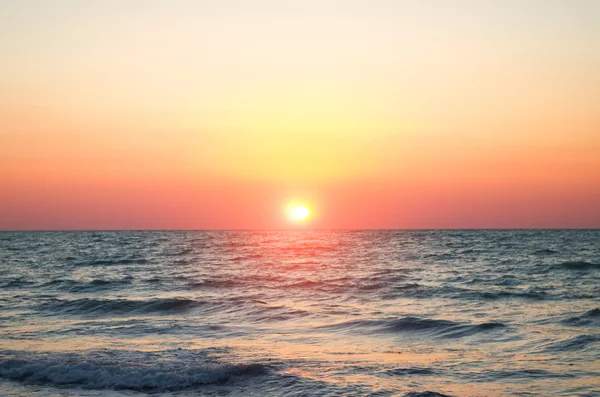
(409, 313)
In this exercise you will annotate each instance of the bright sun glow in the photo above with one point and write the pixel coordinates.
(299, 212)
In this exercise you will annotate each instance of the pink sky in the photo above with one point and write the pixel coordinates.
(216, 114)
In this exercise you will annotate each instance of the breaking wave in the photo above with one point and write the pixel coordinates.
(145, 373)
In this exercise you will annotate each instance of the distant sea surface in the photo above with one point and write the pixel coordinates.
(300, 313)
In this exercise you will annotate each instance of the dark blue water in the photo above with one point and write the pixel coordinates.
(300, 313)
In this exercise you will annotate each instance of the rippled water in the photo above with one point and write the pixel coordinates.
(302, 313)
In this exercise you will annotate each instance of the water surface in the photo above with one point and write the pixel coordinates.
(300, 313)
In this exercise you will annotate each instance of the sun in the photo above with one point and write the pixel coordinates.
(299, 212)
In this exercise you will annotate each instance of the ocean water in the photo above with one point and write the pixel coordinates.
(300, 313)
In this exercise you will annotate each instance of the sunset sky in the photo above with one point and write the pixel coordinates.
(217, 114)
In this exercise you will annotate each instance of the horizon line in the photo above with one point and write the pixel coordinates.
(301, 229)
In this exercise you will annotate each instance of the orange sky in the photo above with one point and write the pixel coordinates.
(376, 114)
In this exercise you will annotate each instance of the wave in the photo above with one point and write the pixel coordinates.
(16, 283)
(308, 284)
(246, 257)
(91, 286)
(111, 262)
(379, 281)
(212, 283)
(425, 394)
(416, 290)
(440, 328)
(15, 249)
(87, 306)
(237, 281)
(177, 252)
(522, 373)
(577, 265)
(252, 309)
(264, 313)
(527, 294)
(309, 248)
(410, 371)
(575, 343)
(587, 318)
(101, 373)
(544, 252)
(155, 280)
(505, 280)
